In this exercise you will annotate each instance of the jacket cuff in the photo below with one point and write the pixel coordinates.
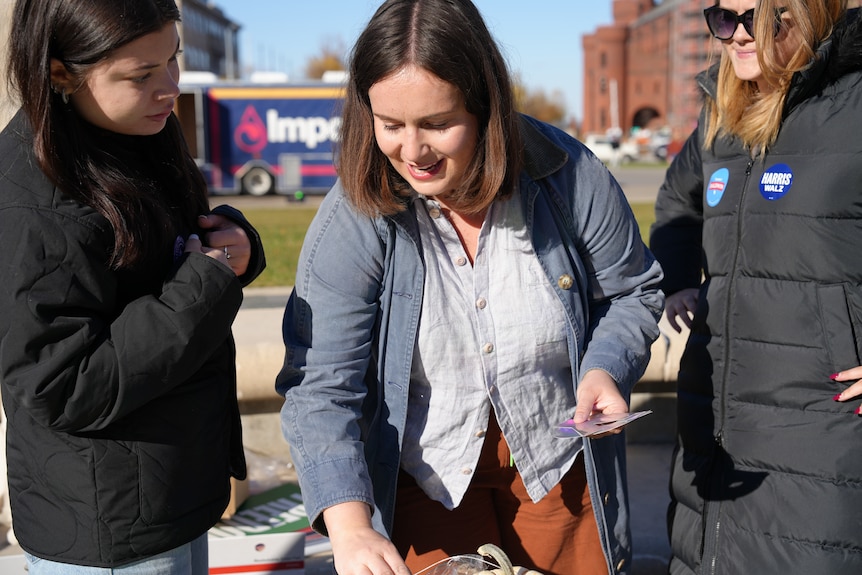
(257, 259)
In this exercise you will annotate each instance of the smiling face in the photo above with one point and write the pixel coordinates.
(422, 125)
(133, 91)
(741, 48)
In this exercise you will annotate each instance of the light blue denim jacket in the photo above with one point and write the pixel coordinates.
(351, 322)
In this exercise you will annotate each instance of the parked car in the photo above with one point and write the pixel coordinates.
(602, 146)
(658, 144)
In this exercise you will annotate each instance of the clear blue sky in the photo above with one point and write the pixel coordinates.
(541, 39)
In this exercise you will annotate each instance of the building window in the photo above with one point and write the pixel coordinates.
(603, 60)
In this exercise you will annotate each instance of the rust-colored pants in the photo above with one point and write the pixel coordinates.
(556, 536)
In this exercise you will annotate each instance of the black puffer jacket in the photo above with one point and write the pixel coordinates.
(120, 388)
(768, 474)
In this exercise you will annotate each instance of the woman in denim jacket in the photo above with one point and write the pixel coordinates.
(474, 275)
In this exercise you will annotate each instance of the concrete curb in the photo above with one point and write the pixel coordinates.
(260, 354)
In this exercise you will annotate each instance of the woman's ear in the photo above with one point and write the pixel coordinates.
(61, 79)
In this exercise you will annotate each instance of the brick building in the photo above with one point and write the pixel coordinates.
(639, 71)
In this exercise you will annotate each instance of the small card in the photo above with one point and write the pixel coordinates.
(601, 423)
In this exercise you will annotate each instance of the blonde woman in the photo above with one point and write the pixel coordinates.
(757, 227)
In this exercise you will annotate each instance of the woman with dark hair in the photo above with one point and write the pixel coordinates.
(758, 225)
(474, 279)
(118, 294)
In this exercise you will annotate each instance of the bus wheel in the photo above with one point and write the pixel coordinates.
(257, 182)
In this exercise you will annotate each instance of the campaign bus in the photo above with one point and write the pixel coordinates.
(263, 139)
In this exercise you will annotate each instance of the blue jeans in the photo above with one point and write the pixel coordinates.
(188, 559)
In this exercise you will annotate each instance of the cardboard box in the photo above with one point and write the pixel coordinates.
(273, 554)
(238, 495)
(266, 535)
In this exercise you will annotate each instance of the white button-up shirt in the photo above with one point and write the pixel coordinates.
(491, 335)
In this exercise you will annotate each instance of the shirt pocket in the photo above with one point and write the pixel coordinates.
(547, 317)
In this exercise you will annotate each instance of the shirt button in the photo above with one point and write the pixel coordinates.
(607, 498)
(466, 471)
(565, 282)
(480, 433)
(621, 564)
(481, 303)
(434, 213)
(488, 347)
(460, 261)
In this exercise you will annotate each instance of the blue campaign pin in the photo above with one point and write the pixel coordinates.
(717, 185)
(776, 181)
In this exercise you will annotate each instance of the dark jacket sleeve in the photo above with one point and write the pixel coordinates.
(257, 261)
(73, 355)
(676, 235)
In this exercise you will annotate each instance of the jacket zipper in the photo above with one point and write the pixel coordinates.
(731, 286)
(713, 508)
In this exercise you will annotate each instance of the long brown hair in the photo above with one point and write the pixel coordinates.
(449, 39)
(740, 109)
(142, 213)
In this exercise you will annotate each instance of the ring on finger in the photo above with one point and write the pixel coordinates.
(226, 253)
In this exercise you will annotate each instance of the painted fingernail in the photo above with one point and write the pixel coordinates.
(834, 375)
(194, 237)
(837, 397)
(859, 410)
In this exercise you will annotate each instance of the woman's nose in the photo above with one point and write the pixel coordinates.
(413, 146)
(170, 85)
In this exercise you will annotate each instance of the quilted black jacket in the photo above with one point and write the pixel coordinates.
(120, 387)
(767, 477)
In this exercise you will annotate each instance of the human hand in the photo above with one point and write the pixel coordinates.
(194, 244)
(598, 393)
(855, 389)
(357, 549)
(679, 305)
(226, 235)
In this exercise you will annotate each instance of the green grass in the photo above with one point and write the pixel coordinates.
(282, 232)
(645, 215)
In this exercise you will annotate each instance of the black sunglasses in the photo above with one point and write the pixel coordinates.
(722, 22)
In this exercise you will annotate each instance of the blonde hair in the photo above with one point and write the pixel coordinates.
(740, 109)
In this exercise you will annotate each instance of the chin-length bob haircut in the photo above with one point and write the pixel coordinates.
(449, 39)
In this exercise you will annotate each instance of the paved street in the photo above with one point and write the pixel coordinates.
(640, 183)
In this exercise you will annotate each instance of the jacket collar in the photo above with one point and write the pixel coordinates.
(541, 156)
(837, 56)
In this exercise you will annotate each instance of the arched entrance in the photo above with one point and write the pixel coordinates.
(644, 116)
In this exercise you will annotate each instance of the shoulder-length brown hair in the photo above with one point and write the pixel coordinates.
(449, 39)
(740, 109)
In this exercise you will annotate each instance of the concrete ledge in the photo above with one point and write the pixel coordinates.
(260, 351)
(260, 354)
